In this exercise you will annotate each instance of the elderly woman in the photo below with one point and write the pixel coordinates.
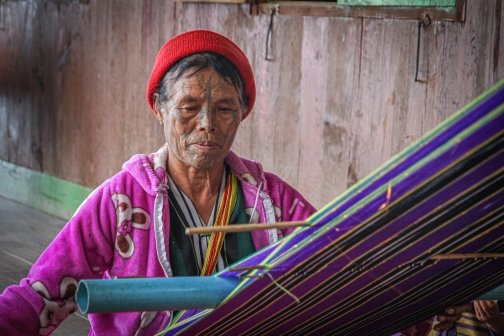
(201, 89)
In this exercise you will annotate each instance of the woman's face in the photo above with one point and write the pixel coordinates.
(201, 119)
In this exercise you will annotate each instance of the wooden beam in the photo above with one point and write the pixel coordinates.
(244, 227)
(460, 10)
(218, 1)
(412, 3)
(331, 9)
(246, 268)
(41, 191)
(468, 256)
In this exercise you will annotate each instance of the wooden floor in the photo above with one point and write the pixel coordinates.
(26, 232)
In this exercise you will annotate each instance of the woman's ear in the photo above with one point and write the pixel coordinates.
(157, 107)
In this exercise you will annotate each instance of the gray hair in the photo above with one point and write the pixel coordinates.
(198, 62)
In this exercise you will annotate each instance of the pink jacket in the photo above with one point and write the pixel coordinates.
(121, 230)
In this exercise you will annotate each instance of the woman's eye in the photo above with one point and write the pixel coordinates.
(190, 109)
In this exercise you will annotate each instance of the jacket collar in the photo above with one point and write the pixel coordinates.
(150, 170)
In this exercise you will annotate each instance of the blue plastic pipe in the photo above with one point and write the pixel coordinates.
(494, 294)
(153, 294)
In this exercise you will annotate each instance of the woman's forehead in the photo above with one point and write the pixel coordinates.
(202, 84)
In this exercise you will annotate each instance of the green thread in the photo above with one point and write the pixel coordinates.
(282, 288)
(177, 323)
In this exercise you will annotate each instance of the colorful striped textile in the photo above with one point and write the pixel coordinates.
(468, 325)
(365, 265)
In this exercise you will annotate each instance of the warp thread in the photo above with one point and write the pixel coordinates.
(282, 288)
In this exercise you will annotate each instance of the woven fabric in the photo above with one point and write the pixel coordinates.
(199, 41)
(368, 263)
(468, 325)
(216, 241)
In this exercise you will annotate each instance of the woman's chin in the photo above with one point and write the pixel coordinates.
(206, 161)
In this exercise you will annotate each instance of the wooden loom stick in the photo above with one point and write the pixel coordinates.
(468, 255)
(244, 227)
(247, 268)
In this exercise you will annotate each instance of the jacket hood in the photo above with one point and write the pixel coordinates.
(150, 170)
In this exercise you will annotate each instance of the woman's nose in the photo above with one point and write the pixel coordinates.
(207, 120)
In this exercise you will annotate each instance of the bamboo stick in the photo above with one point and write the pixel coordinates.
(244, 227)
(468, 255)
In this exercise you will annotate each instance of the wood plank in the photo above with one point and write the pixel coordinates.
(499, 42)
(101, 110)
(342, 58)
(484, 49)
(330, 76)
(385, 119)
(2, 17)
(460, 63)
(252, 41)
(313, 106)
(22, 76)
(4, 73)
(282, 97)
(408, 104)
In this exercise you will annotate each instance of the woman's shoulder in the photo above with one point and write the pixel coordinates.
(140, 173)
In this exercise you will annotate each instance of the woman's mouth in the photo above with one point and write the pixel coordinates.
(207, 145)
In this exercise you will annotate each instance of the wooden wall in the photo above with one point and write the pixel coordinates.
(337, 101)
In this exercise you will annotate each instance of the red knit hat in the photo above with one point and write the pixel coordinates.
(199, 41)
